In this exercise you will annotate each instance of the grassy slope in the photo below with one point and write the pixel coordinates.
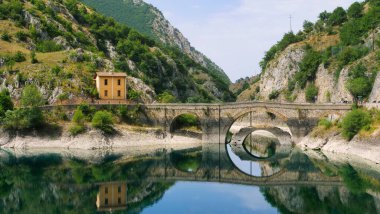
(76, 77)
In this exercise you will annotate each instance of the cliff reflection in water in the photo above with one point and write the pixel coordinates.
(133, 182)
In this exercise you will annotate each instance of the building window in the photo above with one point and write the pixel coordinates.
(118, 93)
(118, 82)
(119, 189)
(106, 82)
(106, 190)
(105, 93)
(119, 200)
(106, 201)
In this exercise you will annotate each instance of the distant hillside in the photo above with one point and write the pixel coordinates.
(58, 45)
(336, 59)
(149, 21)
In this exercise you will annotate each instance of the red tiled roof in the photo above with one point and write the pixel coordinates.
(111, 74)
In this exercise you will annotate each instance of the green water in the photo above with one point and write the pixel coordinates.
(206, 179)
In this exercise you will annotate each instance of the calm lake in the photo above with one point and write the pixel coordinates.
(251, 177)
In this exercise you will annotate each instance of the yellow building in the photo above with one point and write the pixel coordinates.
(111, 85)
(112, 196)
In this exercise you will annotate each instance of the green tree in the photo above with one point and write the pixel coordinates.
(311, 93)
(5, 102)
(308, 26)
(78, 122)
(166, 97)
(338, 16)
(31, 97)
(133, 95)
(25, 118)
(308, 67)
(355, 10)
(103, 120)
(360, 83)
(355, 121)
(78, 117)
(324, 16)
(15, 120)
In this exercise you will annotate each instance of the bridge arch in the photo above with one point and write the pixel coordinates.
(185, 119)
(258, 119)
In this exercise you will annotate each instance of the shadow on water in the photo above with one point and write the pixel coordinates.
(288, 180)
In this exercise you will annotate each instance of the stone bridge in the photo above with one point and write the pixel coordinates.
(217, 119)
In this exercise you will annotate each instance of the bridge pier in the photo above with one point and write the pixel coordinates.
(301, 128)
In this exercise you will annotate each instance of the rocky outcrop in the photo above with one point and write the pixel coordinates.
(280, 71)
(364, 148)
(147, 94)
(375, 94)
(331, 90)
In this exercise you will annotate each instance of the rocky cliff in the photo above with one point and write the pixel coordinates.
(334, 60)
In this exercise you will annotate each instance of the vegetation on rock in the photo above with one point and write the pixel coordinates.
(355, 121)
(103, 120)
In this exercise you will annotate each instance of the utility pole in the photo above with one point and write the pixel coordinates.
(290, 22)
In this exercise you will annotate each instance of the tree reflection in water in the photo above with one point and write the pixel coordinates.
(69, 183)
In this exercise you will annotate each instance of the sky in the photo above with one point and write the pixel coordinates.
(235, 34)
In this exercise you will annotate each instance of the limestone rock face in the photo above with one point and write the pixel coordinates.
(375, 94)
(331, 90)
(280, 71)
(283, 69)
(147, 93)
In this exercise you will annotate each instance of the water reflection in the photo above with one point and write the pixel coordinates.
(112, 196)
(178, 180)
(188, 160)
(261, 154)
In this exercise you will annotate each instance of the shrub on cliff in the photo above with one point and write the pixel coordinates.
(78, 121)
(308, 67)
(166, 97)
(311, 93)
(325, 123)
(274, 95)
(355, 121)
(360, 81)
(25, 118)
(5, 102)
(31, 97)
(103, 120)
(28, 117)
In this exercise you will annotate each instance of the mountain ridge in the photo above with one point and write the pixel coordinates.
(59, 45)
(150, 21)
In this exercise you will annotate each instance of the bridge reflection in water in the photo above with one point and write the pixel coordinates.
(138, 178)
